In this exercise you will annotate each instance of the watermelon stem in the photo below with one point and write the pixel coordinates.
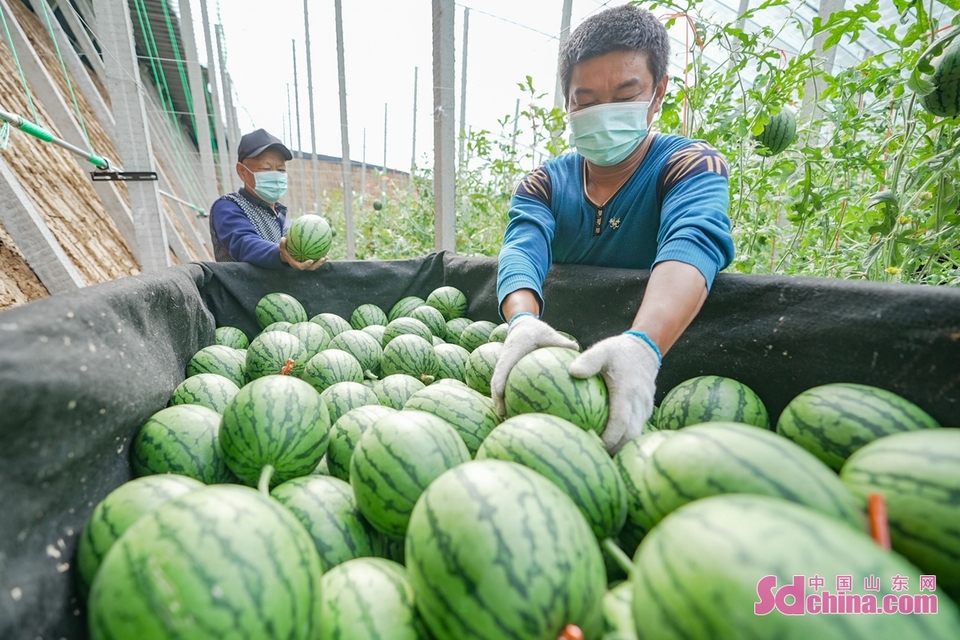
(618, 555)
(425, 379)
(370, 375)
(265, 474)
(879, 526)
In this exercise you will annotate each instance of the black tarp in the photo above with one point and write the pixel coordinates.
(80, 372)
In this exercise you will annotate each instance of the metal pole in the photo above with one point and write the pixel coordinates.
(413, 146)
(383, 178)
(218, 122)
(230, 126)
(289, 136)
(444, 134)
(516, 121)
(198, 92)
(463, 88)
(564, 34)
(313, 124)
(344, 136)
(299, 151)
(363, 169)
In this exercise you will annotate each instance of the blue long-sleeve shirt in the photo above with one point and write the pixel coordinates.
(674, 207)
(248, 233)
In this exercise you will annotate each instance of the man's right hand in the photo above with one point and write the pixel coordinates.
(526, 334)
(306, 265)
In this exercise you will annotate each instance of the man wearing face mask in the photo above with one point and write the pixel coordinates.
(250, 224)
(627, 198)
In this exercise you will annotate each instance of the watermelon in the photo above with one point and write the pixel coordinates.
(275, 307)
(282, 325)
(344, 396)
(309, 238)
(231, 337)
(451, 361)
(918, 473)
(395, 459)
(573, 459)
(438, 341)
(711, 399)
(205, 389)
(480, 366)
(569, 336)
(499, 333)
(495, 550)
(333, 324)
(405, 326)
(631, 461)
(118, 512)
(404, 307)
(410, 355)
(476, 334)
(344, 435)
(361, 346)
(455, 329)
(274, 420)
(375, 330)
(182, 439)
(944, 100)
(471, 414)
(225, 361)
(715, 567)
(834, 420)
(450, 382)
(618, 613)
(327, 509)
(541, 383)
(367, 315)
(314, 337)
(778, 134)
(725, 457)
(270, 354)
(329, 367)
(220, 562)
(322, 468)
(449, 301)
(394, 390)
(432, 319)
(369, 599)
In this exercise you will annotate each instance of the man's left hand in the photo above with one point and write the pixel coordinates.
(306, 265)
(629, 365)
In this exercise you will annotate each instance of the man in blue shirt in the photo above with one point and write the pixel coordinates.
(250, 225)
(627, 198)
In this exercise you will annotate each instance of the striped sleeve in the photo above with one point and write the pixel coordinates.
(693, 160)
(535, 185)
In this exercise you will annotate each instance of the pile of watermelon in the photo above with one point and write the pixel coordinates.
(337, 477)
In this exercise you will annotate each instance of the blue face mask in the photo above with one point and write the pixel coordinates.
(606, 134)
(271, 185)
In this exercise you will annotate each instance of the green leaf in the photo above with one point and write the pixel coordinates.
(920, 84)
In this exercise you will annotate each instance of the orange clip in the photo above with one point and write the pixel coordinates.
(879, 526)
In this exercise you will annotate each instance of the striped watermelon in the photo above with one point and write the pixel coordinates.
(220, 562)
(394, 390)
(919, 475)
(118, 512)
(274, 420)
(329, 367)
(366, 315)
(573, 459)
(618, 613)
(541, 383)
(710, 567)
(361, 346)
(480, 366)
(322, 468)
(205, 389)
(451, 382)
(275, 307)
(778, 134)
(404, 307)
(495, 551)
(269, 352)
(471, 414)
(327, 509)
(182, 440)
(631, 461)
(451, 361)
(944, 100)
(449, 301)
(569, 336)
(725, 457)
(476, 334)
(433, 320)
(834, 420)
(314, 337)
(282, 325)
(396, 458)
(438, 341)
(344, 435)
(406, 326)
(333, 324)
(227, 362)
(455, 329)
(499, 334)
(410, 355)
(369, 599)
(711, 399)
(344, 396)
(309, 237)
(375, 330)
(231, 337)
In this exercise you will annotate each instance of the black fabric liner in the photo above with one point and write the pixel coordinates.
(80, 372)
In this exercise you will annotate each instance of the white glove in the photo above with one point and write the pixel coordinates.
(629, 365)
(526, 334)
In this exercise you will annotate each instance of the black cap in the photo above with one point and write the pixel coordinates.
(253, 144)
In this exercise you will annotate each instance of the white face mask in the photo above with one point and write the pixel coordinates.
(605, 134)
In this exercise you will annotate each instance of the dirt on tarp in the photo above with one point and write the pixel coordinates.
(81, 372)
